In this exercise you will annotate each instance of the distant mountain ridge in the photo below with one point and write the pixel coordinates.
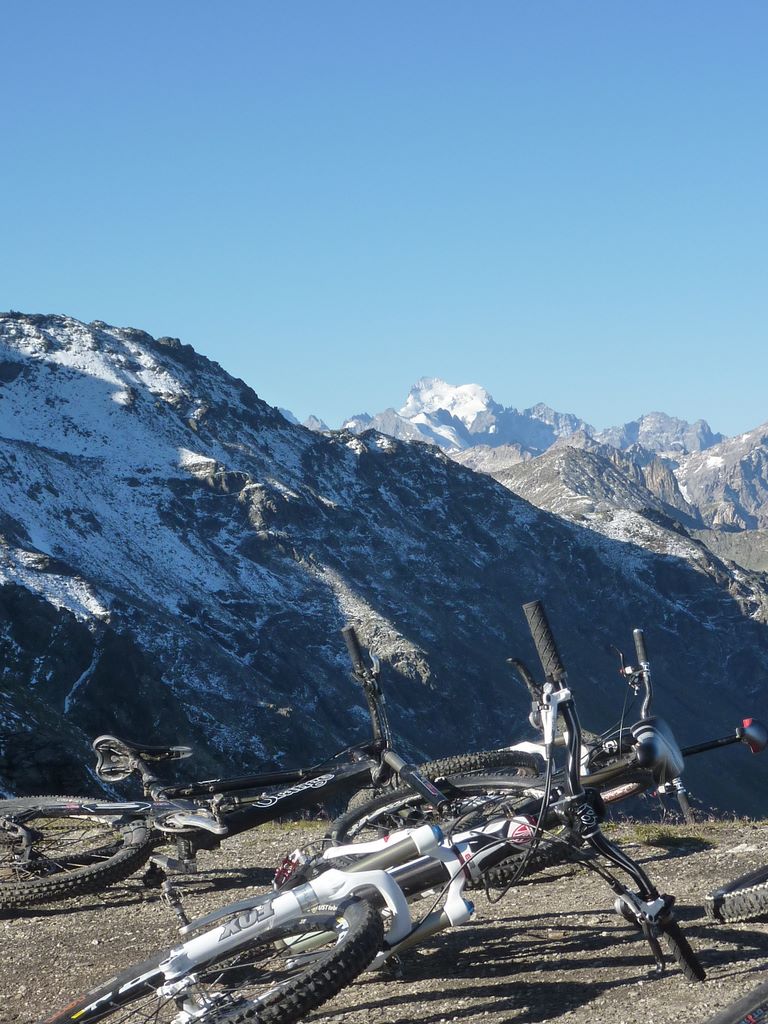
(657, 462)
(457, 417)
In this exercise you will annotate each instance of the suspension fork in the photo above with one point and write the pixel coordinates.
(586, 819)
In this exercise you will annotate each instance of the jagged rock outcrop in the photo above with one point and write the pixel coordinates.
(658, 432)
(729, 482)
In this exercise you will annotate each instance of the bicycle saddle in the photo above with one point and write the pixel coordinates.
(115, 758)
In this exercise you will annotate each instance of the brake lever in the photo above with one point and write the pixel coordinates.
(534, 689)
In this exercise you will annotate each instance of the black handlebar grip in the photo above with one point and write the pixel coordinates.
(640, 651)
(353, 646)
(546, 648)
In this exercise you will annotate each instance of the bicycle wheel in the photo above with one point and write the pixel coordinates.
(276, 978)
(512, 762)
(751, 1009)
(52, 856)
(741, 900)
(515, 762)
(681, 950)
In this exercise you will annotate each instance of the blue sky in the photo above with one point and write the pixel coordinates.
(563, 202)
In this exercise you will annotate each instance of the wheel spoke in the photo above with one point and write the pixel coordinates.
(59, 845)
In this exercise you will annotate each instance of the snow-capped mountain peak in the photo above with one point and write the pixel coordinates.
(465, 402)
(460, 416)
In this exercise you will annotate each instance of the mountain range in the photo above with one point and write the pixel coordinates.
(456, 417)
(712, 485)
(177, 558)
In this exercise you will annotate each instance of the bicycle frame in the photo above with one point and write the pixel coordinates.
(179, 816)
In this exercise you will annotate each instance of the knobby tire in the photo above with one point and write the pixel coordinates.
(516, 762)
(681, 950)
(245, 984)
(74, 855)
(742, 899)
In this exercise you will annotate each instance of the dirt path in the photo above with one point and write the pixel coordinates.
(550, 950)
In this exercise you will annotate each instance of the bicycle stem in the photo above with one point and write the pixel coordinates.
(576, 809)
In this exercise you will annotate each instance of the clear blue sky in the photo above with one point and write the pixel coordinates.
(566, 202)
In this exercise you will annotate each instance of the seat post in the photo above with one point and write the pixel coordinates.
(152, 784)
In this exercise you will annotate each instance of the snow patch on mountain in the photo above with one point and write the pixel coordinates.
(729, 481)
(32, 570)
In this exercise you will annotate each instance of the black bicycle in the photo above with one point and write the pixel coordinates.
(55, 847)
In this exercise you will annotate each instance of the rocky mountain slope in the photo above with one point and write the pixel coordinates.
(729, 483)
(177, 558)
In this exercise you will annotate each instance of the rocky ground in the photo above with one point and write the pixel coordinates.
(551, 950)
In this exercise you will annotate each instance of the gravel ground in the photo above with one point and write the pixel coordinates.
(549, 950)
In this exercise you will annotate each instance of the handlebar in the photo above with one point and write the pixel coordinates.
(559, 702)
(645, 671)
(640, 651)
(409, 773)
(354, 649)
(546, 648)
(368, 678)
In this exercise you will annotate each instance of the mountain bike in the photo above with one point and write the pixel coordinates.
(57, 847)
(621, 763)
(275, 956)
(743, 899)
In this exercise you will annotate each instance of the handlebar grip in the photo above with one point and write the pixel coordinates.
(354, 649)
(546, 648)
(640, 651)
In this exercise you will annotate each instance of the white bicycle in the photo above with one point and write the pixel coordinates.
(275, 957)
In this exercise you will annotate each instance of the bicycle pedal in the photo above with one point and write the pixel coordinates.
(153, 877)
(175, 865)
(393, 968)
